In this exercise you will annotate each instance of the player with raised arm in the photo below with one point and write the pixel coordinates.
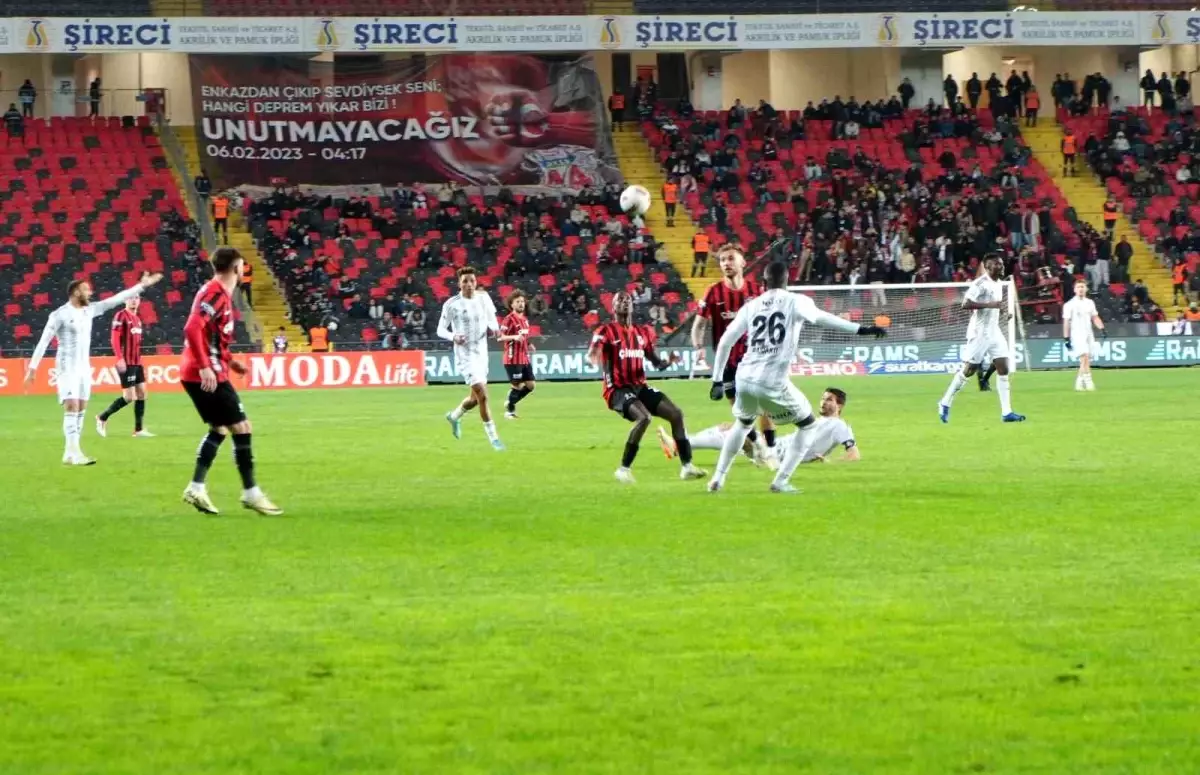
(514, 335)
(204, 372)
(831, 430)
(985, 341)
(71, 325)
(717, 310)
(1079, 315)
(764, 385)
(466, 319)
(621, 348)
(127, 347)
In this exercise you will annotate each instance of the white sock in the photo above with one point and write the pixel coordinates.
(797, 448)
(77, 433)
(709, 438)
(956, 385)
(489, 428)
(69, 433)
(457, 413)
(1002, 390)
(197, 487)
(730, 447)
(253, 492)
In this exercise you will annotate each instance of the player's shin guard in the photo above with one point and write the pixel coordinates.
(243, 455)
(139, 413)
(206, 455)
(730, 449)
(956, 385)
(70, 435)
(1003, 390)
(795, 452)
(114, 407)
(514, 395)
(684, 448)
(627, 457)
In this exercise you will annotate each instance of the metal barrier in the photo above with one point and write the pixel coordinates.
(78, 103)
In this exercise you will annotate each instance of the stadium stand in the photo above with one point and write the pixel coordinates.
(379, 269)
(395, 8)
(715, 7)
(91, 200)
(85, 8)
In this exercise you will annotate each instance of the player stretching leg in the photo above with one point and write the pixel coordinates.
(71, 324)
(831, 432)
(1079, 314)
(621, 349)
(466, 320)
(719, 307)
(985, 340)
(514, 334)
(764, 385)
(127, 346)
(204, 373)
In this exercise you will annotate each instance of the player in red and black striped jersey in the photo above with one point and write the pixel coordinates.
(514, 335)
(717, 310)
(204, 373)
(127, 347)
(621, 349)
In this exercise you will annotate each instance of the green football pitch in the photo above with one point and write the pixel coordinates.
(976, 597)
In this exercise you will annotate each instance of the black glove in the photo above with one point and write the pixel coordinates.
(1104, 333)
(1067, 342)
(717, 391)
(878, 332)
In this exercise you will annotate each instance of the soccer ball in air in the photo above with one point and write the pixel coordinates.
(635, 200)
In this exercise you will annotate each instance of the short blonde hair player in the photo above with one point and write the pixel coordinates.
(1079, 314)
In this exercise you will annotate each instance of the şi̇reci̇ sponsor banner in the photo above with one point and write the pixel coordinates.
(481, 119)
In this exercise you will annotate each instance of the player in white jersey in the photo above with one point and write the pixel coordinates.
(1079, 314)
(466, 320)
(773, 322)
(71, 325)
(986, 342)
(831, 432)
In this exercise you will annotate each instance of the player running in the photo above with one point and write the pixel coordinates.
(127, 346)
(204, 373)
(764, 386)
(621, 348)
(831, 432)
(466, 319)
(71, 324)
(719, 307)
(1079, 314)
(514, 334)
(985, 340)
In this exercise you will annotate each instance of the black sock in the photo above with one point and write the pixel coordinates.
(244, 459)
(521, 393)
(514, 396)
(139, 413)
(206, 455)
(631, 449)
(114, 407)
(769, 436)
(684, 447)
(752, 436)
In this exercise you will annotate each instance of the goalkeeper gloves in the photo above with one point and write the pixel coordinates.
(878, 332)
(717, 391)
(1067, 342)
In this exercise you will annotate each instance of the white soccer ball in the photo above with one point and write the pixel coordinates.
(635, 200)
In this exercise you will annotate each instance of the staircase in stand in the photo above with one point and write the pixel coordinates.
(1087, 195)
(639, 166)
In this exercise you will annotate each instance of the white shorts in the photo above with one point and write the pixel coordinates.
(1082, 344)
(473, 368)
(985, 348)
(782, 403)
(74, 387)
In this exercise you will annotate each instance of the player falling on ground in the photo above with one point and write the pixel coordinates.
(764, 385)
(514, 335)
(1079, 315)
(127, 347)
(718, 308)
(71, 324)
(831, 432)
(621, 348)
(466, 319)
(985, 341)
(204, 372)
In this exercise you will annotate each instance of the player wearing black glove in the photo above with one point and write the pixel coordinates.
(717, 391)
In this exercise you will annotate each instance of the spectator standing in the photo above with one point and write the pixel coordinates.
(13, 121)
(974, 90)
(246, 281)
(700, 249)
(27, 96)
(203, 187)
(94, 97)
(220, 214)
(616, 109)
(280, 342)
(1149, 88)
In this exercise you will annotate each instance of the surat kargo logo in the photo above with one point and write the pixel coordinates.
(610, 32)
(327, 35)
(889, 30)
(37, 35)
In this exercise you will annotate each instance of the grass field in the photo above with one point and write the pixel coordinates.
(969, 598)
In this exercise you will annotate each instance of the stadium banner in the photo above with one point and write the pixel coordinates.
(382, 368)
(485, 34)
(480, 119)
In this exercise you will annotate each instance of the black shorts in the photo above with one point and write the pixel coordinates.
(222, 407)
(729, 380)
(519, 372)
(701, 258)
(670, 206)
(134, 375)
(621, 399)
(1068, 157)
